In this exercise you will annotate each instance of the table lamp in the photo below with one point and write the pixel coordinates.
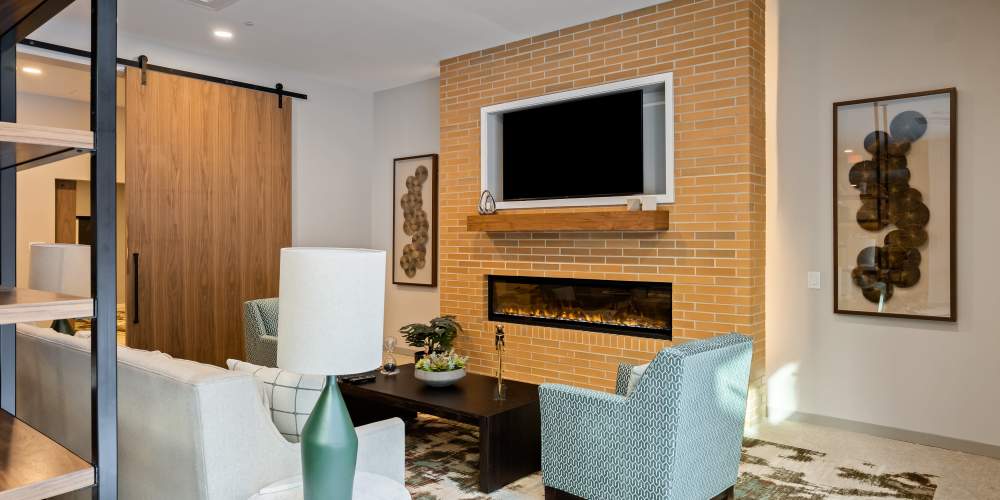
(60, 268)
(330, 323)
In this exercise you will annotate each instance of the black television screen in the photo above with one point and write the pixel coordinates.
(577, 149)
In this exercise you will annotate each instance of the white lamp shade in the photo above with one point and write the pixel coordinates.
(60, 268)
(330, 310)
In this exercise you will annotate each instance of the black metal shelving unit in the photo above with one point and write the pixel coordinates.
(23, 147)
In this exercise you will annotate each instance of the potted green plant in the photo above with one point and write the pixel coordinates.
(440, 369)
(438, 336)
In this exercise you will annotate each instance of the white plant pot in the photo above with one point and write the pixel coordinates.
(439, 379)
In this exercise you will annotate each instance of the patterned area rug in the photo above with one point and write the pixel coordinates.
(442, 464)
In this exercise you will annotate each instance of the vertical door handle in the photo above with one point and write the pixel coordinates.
(135, 288)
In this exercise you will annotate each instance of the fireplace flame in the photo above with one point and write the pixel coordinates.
(608, 317)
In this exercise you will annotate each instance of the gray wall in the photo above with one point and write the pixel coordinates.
(929, 377)
(406, 124)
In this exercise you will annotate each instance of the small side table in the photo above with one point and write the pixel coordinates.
(367, 486)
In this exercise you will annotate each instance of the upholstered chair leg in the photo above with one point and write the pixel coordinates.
(554, 494)
(728, 494)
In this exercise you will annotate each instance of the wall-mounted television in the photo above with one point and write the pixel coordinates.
(591, 146)
(575, 149)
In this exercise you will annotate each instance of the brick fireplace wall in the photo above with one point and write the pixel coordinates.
(713, 252)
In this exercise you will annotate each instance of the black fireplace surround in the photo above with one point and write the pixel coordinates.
(638, 308)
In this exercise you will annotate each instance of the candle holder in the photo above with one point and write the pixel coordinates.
(500, 393)
(389, 364)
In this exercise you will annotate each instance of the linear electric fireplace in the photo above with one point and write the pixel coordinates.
(625, 307)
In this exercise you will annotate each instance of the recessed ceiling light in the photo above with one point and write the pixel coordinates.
(848, 151)
(212, 4)
(225, 35)
(31, 70)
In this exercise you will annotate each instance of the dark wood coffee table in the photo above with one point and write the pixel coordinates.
(509, 431)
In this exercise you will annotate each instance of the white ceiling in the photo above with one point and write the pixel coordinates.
(58, 78)
(368, 44)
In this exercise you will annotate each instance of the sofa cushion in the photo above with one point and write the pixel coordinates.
(290, 396)
(634, 376)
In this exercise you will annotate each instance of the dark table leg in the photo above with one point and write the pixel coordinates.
(510, 447)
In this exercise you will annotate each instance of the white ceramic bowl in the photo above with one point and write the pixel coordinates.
(439, 379)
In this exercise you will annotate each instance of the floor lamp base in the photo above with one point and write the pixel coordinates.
(329, 447)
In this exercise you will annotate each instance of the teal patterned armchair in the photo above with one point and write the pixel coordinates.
(260, 329)
(677, 436)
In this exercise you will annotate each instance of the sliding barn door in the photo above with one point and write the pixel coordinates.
(208, 174)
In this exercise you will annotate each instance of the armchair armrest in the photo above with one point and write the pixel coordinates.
(265, 352)
(578, 394)
(382, 449)
(569, 413)
(582, 434)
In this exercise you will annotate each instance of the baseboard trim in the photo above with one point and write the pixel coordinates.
(923, 438)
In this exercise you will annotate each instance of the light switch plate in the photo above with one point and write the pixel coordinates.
(812, 279)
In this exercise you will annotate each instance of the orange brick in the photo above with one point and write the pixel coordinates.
(714, 250)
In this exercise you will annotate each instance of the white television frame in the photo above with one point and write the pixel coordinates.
(490, 130)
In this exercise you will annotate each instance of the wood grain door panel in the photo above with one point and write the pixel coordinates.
(208, 169)
(65, 211)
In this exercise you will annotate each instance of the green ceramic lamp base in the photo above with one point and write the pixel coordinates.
(63, 326)
(329, 448)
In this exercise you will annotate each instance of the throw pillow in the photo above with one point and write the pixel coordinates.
(291, 396)
(634, 377)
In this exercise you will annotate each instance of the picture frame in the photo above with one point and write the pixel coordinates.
(894, 226)
(415, 220)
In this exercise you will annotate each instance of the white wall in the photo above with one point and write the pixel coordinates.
(406, 124)
(923, 376)
(331, 135)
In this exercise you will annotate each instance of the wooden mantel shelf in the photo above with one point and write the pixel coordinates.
(20, 305)
(34, 466)
(618, 220)
(26, 146)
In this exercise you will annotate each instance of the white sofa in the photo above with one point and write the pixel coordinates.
(185, 429)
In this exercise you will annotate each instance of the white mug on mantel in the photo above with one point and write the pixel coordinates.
(649, 203)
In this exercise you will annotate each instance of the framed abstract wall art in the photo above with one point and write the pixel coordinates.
(894, 205)
(414, 220)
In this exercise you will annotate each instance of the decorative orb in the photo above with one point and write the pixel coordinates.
(913, 214)
(896, 172)
(864, 278)
(872, 191)
(899, 257)
(874, 293)
(908, 126)
(862, 172)
(877, 142)
(911, 237)
(869, 258)
(873, 214)
(911, 195)
(905, 278)
(902, 200)
(422, 174)
(898, 147)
